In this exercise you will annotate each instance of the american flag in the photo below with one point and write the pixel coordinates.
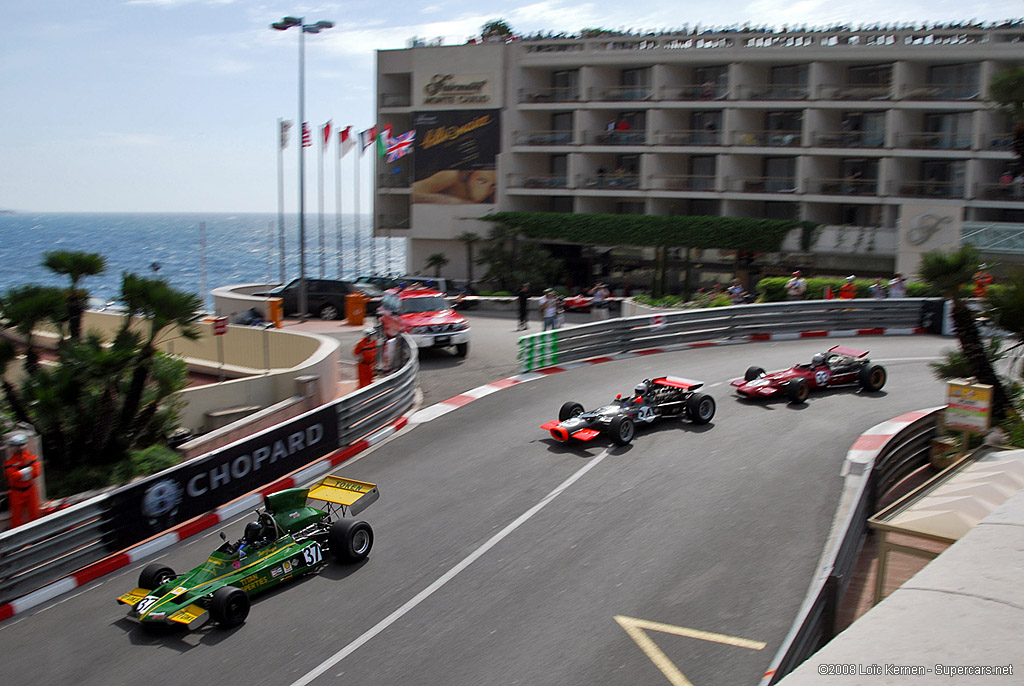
(307, 140)
(399, 146)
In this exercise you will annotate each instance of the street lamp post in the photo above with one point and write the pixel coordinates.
(283, 25)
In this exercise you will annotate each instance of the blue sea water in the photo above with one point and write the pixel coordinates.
(189, 250)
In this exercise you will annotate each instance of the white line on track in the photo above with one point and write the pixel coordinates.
(449, 575)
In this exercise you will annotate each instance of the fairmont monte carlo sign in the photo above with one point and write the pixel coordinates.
(462, 89)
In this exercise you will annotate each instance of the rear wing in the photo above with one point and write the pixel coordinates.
(842, 350)
(679, 382)
(353, 496)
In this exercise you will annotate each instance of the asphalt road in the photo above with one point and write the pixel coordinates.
(502, 557)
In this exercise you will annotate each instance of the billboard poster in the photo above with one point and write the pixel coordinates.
(456, 157)
(968, 406)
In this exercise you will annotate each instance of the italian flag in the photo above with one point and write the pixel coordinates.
(384, 140)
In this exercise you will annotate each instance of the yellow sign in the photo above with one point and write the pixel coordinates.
(968, 406)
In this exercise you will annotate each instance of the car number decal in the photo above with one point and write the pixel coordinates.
(821, 377)
(146, 603)
(646, 414)
(312, 554)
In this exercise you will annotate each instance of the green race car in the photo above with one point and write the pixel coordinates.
(289, 539)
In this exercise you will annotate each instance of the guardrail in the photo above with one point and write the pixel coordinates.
(752, 322)
(865, 483)
(54, 546)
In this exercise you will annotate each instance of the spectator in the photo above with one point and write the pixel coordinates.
(877, 289)
(796, 287)
(599, 301)
(737, 294)
(848, 291)
(898, 286)
(549, 308)
(523, 299)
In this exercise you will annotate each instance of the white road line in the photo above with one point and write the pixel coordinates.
(447, 576)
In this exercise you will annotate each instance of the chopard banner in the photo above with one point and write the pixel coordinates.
(163, 500)
(457, 89)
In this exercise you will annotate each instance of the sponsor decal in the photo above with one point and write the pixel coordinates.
(275, 572)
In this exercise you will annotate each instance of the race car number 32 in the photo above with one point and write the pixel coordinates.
(312, 554)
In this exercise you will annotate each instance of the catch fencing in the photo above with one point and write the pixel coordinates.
(54, 546)
(737, 322)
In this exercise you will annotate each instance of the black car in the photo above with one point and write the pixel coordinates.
(325, 298)
(664, 397)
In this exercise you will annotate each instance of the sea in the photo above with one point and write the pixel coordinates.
(194, 252)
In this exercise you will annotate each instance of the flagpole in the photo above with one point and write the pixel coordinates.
(280, 193)
(320, 205)
(337, 211)
(355, 205)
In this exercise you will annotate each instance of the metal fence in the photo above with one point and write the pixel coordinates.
(54, 546)
(613, 336)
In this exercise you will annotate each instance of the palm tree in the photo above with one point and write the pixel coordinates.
(76, 265)
(948, 272)
(469, 238)
(436, 262)
(496, 29)
(25, 308)
(1006, 90)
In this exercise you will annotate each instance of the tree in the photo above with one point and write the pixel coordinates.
(1005, 307)
(25, 308)
(436, 262)
(496, 30)
(469, 238)
(1006, 89)
(948, 273)
(75, 265)
(511, 261)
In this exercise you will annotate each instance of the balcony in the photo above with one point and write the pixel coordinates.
(841, 186)
(946, 92)
(777, 91)
(998, 191)
(541, 137)
(690, 137)
(395, 100)
(828, 91)
(615, 137)
(762, 184)
(616, 181)
(930, 140)
(929, 189)
(848, 139)
(537, 181)
(999, 142)
(694, 92)
(690, 182)
(544, 95)
(621, 93)
(768, 139)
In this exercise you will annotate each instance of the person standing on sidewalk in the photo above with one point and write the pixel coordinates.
(523, 298)
(796, 286)
(599, 301)
(365, 352)
(21, 469)
(549, 308)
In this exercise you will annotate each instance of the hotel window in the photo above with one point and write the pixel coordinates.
(948, 130)
(702, 173)
(565, 84)
(789, 81)
(865, 129)
(870, 75)
(955, 81)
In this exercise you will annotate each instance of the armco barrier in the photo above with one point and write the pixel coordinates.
(739, 322)
(873, 464)
(50, 548)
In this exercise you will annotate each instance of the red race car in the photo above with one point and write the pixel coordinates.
(837, 366)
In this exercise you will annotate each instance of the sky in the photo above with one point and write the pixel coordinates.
(172, 105)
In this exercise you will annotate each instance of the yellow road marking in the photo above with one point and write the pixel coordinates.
(637, 630)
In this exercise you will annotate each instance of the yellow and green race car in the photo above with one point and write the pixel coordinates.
(288, 539)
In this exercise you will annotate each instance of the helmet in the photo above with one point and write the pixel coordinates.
(369, 332)
(252, 532)
(18, 439)
(818, 359)
(640, 388)
(851, 277)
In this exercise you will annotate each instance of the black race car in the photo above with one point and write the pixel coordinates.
(667, 396)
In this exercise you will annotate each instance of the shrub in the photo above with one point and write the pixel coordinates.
(144, 462)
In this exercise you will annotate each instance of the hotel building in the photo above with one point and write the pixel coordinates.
(883, 136)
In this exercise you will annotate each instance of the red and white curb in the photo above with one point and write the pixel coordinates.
(223, 513)
(444, 407)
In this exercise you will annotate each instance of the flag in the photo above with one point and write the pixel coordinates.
(346, 141)
(400, 146)
(325, 131)
(367, 137)
(306, 140)
(383, 140)
(286, 126)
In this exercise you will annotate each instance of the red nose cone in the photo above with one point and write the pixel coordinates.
(560, 434)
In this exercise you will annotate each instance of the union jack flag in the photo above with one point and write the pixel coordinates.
(399, 146)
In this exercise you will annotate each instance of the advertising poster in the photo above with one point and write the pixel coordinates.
(968, 406)
(456, 157)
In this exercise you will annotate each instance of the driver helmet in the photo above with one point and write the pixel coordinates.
(18, 440)
(369, 332)
(252, 532)
(640, 388)
(818, 359)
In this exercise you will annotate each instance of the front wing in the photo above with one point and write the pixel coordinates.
(560, 433)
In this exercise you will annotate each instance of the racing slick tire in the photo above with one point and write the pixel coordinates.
(350, 540)
(154, 575)
(462, 349)
(701, 408)
(622, 429)
(229, 606)
(872, 378)
(753, 373)
(797, 391)
(569, 410)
